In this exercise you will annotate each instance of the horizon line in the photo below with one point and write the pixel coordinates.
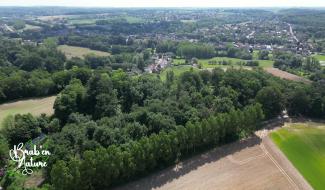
(178, 7)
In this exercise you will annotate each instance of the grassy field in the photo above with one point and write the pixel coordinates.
(205, 62)
(55, 17)
(132, 20)
(74, 51)
(35, 106)
(81, 21)
(304, 146)
(320, 57)
(32, 27)
(91, 21)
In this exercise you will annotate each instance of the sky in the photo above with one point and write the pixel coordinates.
(166, 3)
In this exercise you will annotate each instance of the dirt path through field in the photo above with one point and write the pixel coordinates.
(252, 164)
(292, 173)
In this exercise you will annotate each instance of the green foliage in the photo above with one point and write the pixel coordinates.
(101, 97)
(287, 60)
(311, 64)
(4, 149)
(309, 22)
(299, 102)
(140, 123)
(69, 100)
(75, 62)
(239, 53)
(62, 178)
(272, 101)
(39, 58)
(21, 128)
(136, 122)
(120, 163)
(30, 71)
(188, 51)
(263, 55)
(169, 78)
(138, 60)
(19, 24)
(13, 180)
(166, 46)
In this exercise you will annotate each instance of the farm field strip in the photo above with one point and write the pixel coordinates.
(74, 51)
(205, 62)
(305, 139)
(278, 166)
(285, 75)
(254, 163)
(246, 164)
(35, 106)
(320, 57)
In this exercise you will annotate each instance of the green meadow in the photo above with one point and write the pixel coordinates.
(81, 52)
(35, 106)
(206, 63)
(304, 146)
(320, 57)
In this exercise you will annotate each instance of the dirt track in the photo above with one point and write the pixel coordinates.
(254, 163)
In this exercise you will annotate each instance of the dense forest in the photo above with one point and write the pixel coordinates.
(32, 71)
(140, 124)
(116, 119)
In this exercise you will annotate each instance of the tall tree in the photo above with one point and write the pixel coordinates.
(272, 101)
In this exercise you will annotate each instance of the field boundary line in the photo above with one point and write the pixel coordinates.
(279, 167)
(231, 158)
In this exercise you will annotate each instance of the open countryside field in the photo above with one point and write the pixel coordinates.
(285, 75)
(80, 20)
(320, 57)
(32, 27)
(55, 17)
(35, 106)
(205, 62)
(74, 51)
(304, 145)
(254, 164)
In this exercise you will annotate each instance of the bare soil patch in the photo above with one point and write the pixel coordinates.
(285, 75)
(253, 164)
(81, 52)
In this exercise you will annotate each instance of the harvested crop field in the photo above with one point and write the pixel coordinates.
(285, 75)
(35, 106)
(74, 51)
(252, 164)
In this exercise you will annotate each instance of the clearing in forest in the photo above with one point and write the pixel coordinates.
(35, 106)
(74, 51)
